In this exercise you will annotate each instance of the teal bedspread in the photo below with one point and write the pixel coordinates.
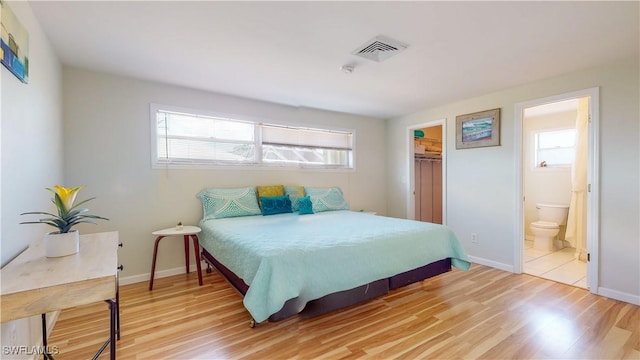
(285, 256)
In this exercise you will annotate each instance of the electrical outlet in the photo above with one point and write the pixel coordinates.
(474, 238)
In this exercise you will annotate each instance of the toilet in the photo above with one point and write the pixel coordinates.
(547, 227)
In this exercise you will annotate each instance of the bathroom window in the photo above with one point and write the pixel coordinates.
(554, 148)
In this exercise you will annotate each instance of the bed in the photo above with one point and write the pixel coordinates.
(288, 264)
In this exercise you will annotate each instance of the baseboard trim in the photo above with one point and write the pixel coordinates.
(602, 291)
(491, 263)
(618, 295)
(159, 274)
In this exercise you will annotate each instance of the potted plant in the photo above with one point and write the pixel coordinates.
(65, 241)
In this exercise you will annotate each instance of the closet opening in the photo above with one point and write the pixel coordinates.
(427, 185)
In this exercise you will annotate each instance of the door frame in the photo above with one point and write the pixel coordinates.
(411, 186)
(593, 176)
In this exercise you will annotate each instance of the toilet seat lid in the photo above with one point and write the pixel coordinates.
(545, 224)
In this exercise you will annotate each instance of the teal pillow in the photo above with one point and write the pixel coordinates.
(224, 203)
(295, 193)
(305, 205)
(327, 199)
(272, 205)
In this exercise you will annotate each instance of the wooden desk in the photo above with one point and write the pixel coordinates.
(33, 284)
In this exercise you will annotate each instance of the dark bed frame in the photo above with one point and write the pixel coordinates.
(340, 299)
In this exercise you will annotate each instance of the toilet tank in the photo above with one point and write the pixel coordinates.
(556, 213)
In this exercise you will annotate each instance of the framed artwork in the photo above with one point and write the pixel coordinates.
(478, 129)
(14, 44)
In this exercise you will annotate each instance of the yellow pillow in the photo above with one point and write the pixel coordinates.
(272, 190)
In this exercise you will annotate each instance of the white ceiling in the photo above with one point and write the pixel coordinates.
(291, 52)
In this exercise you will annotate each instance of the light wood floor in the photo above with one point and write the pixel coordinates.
(483, 313)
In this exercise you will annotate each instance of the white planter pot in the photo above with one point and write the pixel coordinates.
(57, 244)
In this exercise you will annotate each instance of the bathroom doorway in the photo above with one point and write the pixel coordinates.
(556, 217)
(427, 164)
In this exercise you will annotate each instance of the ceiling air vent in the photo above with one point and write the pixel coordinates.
(380, 48)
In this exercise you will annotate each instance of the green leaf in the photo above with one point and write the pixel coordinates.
(77, 211)
(95, 217)
(37, 213)
(82, 202)
(86, 222)
(34, 222)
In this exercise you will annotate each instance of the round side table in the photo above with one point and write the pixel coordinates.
(186, 232)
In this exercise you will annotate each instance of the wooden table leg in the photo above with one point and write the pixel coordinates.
(196, 253)
(153, 263)
(186, 252)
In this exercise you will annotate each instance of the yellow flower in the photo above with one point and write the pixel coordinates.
(67, 195)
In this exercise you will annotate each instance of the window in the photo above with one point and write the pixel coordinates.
(554, 148)
(186, 137)
(289, 145)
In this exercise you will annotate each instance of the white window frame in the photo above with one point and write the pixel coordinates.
(204, 164)
(535, 162)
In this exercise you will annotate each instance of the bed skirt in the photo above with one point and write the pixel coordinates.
(339, 299)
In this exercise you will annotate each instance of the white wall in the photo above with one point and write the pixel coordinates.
(481, 182)
(549, 184)
(107, 148)
(31, 129)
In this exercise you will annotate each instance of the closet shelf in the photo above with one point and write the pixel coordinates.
(428, 139)
(431, 157)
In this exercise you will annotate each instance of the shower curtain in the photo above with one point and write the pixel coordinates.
(576, 233)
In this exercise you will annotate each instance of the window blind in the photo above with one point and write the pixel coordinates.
(192, 138)
(304, 137)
